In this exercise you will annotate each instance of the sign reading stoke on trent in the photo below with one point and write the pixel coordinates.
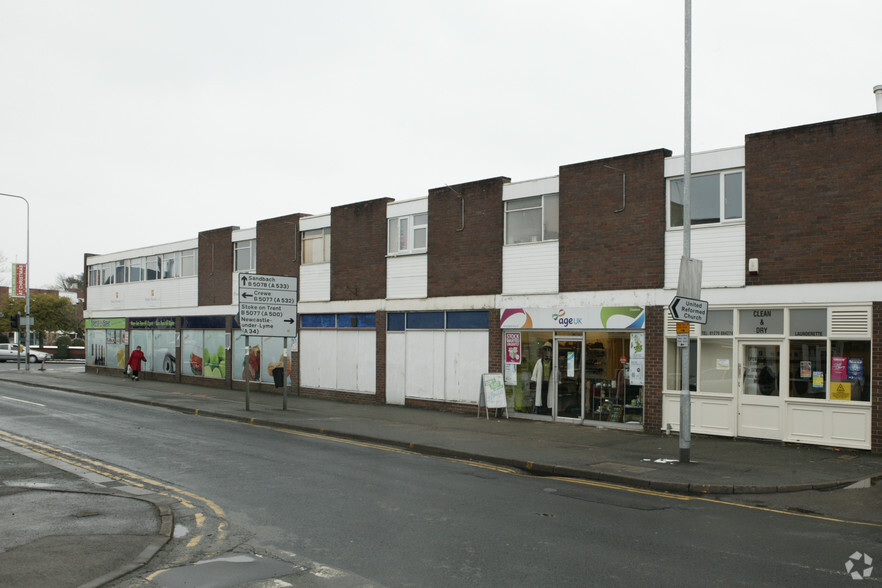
(268, 305)
(689, 310)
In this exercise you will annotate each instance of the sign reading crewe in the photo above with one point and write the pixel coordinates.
(268, 305)
(689, 310)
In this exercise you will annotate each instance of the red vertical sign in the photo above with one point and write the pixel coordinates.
(20, 279)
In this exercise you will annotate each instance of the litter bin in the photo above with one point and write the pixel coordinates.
(279, 376)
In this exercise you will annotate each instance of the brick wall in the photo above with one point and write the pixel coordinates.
(216, 266)
(495, 348)
(813, 202)
(601, 249)
(381, 357)
(465, 239)
(358, 250)
(278, 246)
(653, 375)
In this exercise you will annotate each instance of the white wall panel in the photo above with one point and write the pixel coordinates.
(347, 360)
(155, 294)
(407, 276)
(338, 360)
(467, 359)
(530, 268)
(367, 361)
(425, 365)
(315, 282)
(395, 368)
(721, 249)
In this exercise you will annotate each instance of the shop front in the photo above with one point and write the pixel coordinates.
(575, 364)
(794, 374)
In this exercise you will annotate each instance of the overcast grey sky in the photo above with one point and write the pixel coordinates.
(133, 123)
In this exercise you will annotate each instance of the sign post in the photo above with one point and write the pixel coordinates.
(268, 308)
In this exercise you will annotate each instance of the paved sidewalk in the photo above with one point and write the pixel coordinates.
(719, 465)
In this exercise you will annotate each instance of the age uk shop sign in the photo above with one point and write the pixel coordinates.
(576, 318)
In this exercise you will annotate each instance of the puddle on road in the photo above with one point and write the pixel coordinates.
(224, 572)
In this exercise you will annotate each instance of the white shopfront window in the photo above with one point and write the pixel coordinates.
(799, 374)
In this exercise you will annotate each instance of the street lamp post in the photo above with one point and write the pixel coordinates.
(27, 278)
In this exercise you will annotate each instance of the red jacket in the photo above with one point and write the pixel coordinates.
(136, 358)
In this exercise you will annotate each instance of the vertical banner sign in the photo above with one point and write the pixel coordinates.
(19, 280)
(512, 348)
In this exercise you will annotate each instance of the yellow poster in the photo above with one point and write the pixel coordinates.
(840, 390)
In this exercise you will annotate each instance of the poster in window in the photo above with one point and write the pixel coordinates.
(805, 369)
(838, 368)
(513, 348)
(635, 372)
(856, 369)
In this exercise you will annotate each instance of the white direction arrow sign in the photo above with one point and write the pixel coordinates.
(689, 310)
(268, 305)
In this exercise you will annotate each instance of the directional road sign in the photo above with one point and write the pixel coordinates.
(268, 305)
(689, 310)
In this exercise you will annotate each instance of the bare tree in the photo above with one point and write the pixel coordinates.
(66, 282)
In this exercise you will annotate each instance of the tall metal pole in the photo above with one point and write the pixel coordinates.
(685, 397)
(27, 279)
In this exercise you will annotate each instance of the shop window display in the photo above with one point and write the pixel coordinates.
(850, 374)
(521, 388)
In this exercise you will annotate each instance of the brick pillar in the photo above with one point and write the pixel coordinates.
(381, 357)
(653, 375)
(495, 360)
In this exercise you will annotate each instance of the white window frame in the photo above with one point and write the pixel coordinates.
(721, 174)
(403, 242)
(189, 263)
(245, 255)
(543, 207)
(324, 235)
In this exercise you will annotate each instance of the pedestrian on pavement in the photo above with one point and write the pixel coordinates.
(135, 362)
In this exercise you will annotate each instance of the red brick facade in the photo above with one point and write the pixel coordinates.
(600, 248)
(813, 193)
(358, 250)
(216, 266)
(278, 246)
(465, 239)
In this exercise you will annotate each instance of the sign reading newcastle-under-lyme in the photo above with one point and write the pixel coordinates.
(268, 305)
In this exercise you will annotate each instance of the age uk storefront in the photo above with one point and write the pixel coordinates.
(575, 364)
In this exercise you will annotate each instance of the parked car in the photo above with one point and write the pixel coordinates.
(10, 352)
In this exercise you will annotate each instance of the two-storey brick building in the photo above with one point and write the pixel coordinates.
(560, 284)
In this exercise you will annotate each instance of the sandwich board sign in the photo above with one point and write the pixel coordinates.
(492, 394)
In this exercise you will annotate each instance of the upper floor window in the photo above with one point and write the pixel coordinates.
(189, 263)
(153, 267)
(135, 269)
(532, 219)
(316, 246)
(714, 198)
(245, 255)
(408, 234)
(174, 264)
(171, 265)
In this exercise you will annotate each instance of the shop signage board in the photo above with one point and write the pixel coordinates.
(492, 394)
(268, 305)
(689, 310)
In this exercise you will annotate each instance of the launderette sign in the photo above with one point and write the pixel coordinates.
(576, 318)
